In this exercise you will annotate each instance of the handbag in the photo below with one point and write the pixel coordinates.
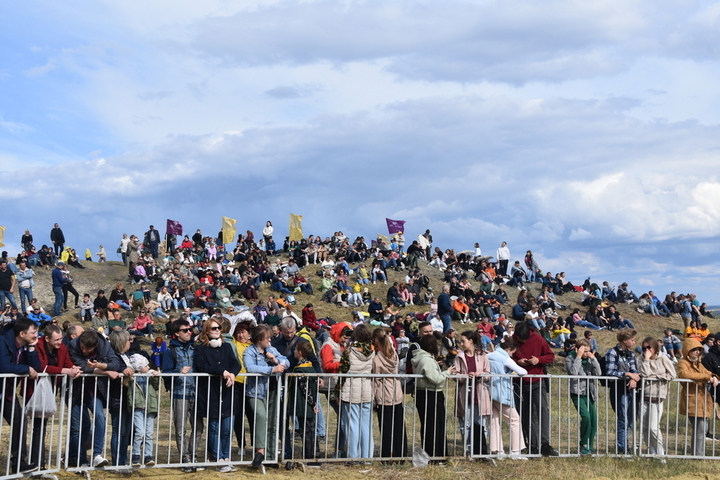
(42, 401)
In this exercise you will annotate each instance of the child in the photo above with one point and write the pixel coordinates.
(672, 345)
(102, 257)
(158, 347)
(88, 255)
(589, 336)
(142, 397)
(86, 309)
(402, 340)
(303, 398)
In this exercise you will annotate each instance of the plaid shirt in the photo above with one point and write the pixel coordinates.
(618, 362)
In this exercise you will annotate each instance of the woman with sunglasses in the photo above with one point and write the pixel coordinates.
(657, 371)
(215, 356)
(143, 324)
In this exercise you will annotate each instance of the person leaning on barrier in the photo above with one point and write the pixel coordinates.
(18, 355)
(620, 362)
(695, 400)
(94, 355)
(55, 360)
(261, 357)
(656, 370)
(179, 358)
(533, 354)
(429, 396)
(581, 362)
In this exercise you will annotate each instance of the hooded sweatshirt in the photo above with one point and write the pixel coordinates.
(695, 401)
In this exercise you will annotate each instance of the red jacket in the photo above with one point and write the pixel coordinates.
(63, 361)
(534, 346)
(309, 319)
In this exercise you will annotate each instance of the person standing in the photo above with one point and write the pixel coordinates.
(657, 371)
(54, 360)
(533, 353)
(18, 355)
(123, 249)
(445, 308)
(503, 256)
(179, 359)
(215, 356)
(27, 241)
(93, 354)
(152, 240)
(620, 362)
(581, 362)
(57, 238)
(7, 284)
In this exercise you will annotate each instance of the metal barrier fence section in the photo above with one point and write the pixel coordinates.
(196, 421)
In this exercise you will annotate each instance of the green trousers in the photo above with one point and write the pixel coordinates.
(588, 420)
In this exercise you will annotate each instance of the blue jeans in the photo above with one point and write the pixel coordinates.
(591, 326)
(447, 323)
(358, 428)
(618, 324)
(9, 296)
(624, 404)
(79, 432)
(143, 429)
(182, 303)
(58, 300)
(25, 293)
(220, 438)
(120, 437)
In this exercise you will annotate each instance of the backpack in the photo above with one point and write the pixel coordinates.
(168, 381)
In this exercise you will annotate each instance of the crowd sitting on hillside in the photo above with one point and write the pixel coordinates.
(200, 292)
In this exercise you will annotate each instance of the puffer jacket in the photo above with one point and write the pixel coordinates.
(583, 367)
(657, 374)
(695, 401)
(357, 389)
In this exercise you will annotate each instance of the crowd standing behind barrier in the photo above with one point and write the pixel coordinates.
(273, 390)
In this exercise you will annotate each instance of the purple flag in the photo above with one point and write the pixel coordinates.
(173, 227)
(395, 226)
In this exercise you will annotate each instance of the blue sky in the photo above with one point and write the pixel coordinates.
(587, 132)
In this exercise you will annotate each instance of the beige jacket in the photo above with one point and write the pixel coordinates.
(388, 390)
(358, 389)
(657, 374)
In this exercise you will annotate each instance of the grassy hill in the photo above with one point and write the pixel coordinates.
(96, 276)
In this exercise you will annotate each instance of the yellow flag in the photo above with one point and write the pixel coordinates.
(228, 230)
(382, 238)
(295, 227)
(2, 236)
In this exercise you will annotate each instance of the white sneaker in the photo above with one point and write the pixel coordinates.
(99, 461)
(517, 456)
(225, 469)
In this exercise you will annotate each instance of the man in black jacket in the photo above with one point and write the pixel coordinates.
(18, 356)
(57, 238)
(94, 355)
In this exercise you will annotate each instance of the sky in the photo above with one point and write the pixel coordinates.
(585, 131)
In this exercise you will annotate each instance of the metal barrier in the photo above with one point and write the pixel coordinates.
(143, 423)
(32, 440)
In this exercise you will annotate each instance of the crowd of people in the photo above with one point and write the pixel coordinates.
(206, 295)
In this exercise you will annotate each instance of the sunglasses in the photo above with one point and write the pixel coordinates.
(647, 347)
(215, 328)
(184, 330)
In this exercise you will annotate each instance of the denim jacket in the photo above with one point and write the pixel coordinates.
(183, 386)
(255, 362)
